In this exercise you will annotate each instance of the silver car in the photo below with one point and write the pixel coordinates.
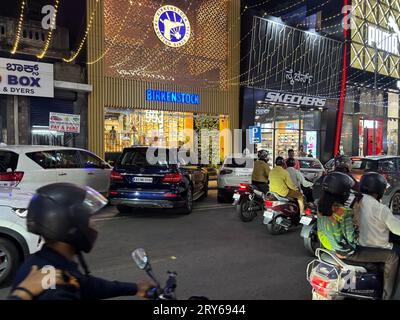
(311, 168)
(234, 171)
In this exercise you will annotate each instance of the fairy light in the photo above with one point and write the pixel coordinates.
(19, 30)
(50, 34)
(89, 26)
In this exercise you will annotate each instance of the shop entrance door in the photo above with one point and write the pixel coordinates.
(367, 126)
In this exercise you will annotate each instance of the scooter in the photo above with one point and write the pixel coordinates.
(281, 214)
(333, 279)
(158, 293)
(309, 230)
(248, 200)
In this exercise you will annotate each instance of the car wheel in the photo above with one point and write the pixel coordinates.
(395, 204)
(9, 260)
(187, 209)
(124, 209)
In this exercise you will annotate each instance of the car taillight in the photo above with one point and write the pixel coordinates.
(225, 171)
(173, 178)
(116, 176)
(12, 178)
(308, 212)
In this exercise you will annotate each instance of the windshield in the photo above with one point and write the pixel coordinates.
(142, 158)
(310, 164)
(8, 160)
(239, 163)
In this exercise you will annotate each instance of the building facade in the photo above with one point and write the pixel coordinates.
(158, 72)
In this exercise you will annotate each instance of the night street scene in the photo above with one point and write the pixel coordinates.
(218, 152)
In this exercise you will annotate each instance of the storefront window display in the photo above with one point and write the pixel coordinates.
(125, 128)
(285, 128)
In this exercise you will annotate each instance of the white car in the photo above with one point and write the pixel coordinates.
(15, 241)
(235, 170)
(31, 167)
(311, 168)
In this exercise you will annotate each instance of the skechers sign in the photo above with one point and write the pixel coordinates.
(172, 97)
(294, 99)
(26, 78)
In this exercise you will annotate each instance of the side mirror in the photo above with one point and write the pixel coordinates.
(140, 258)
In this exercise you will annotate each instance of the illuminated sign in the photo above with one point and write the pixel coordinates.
(294, 99)
(172, 97)
(376, 24)
(384, 40)
(172, 26)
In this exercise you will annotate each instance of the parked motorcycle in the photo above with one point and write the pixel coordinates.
(281, 214)
(309, 231)
(333, 279)
(248, 200)
(158, 293)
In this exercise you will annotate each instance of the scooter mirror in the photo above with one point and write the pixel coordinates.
(140, 258)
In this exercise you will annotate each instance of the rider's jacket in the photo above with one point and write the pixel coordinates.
(261, 171)
(77, 285)
(280, 181)
(337, 232)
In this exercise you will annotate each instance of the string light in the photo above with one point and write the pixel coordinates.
(89, 26)
(19, 30)
(50, 34)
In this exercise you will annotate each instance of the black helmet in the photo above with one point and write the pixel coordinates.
(338, 183)
(262, 155)
(61, 212)
(291, 162)
(373, 183)
(280, 161)
(343, 163)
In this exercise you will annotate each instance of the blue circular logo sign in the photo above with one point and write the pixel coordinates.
(172, 26)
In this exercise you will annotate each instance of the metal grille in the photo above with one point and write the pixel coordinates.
(287, 59)
(134, 51)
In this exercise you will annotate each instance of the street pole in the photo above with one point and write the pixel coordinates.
(376, 97)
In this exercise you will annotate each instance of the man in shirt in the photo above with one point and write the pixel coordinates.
(261, 171)
(291, 156)
(299, 180)
(281, 183)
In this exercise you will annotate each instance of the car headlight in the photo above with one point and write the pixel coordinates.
(22, 213)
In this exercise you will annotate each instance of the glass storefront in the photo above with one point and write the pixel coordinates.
(128, 127)
(366, 131)
(285, 128)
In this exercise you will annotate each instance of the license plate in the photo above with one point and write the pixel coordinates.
(142, 180)
(268, 214)
(236, 196)
(305, 220)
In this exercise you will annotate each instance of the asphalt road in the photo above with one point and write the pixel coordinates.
(213, 252)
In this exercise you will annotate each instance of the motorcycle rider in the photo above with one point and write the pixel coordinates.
(337, 231)
(61, 213)
(291, 156)
(281, 183)
(261, 171)
(342, 163)
(299, 180)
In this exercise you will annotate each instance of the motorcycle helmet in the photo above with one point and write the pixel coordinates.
(262, 155)
(61, 212)
(280, 161)
(373, 183)
(338, 183)
(342, 163)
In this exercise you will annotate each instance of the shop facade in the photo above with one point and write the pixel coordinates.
(292, 89)
(371, 110)
(152, 87)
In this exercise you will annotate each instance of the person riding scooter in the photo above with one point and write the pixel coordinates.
(281, 183)
(61, 213)
(299, 180)
(337, 231)
(261, 171)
